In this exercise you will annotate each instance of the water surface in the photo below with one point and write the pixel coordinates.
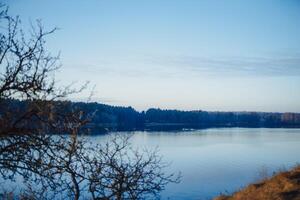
(222, 160)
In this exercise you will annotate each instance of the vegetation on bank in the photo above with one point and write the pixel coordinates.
(282, 186)
(117, 118)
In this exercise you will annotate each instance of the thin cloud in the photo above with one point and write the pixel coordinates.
(264, 66)
(177, 66)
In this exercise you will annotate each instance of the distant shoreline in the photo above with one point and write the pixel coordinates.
(179, 128)
(106, 118)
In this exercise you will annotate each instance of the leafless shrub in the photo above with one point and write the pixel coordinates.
(39, 137)
(118, 171)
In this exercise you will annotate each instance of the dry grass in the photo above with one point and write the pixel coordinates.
(282, 186)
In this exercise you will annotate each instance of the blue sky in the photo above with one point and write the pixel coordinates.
(209, 55)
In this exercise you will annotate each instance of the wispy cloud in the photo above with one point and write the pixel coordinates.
(260, 66)
(176, 66)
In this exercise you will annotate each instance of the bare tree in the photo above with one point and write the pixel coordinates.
(31, 105)
(120, 171)
(39, 131)
(111, 170)
(25, 67)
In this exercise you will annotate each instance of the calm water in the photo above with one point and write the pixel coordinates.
(215, 161)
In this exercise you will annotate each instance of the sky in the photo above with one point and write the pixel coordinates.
(222, 55)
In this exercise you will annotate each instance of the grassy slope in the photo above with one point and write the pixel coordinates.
(283, 186)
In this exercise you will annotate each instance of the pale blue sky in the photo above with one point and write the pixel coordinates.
(209, 55)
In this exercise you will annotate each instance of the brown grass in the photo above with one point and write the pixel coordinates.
(282, 186)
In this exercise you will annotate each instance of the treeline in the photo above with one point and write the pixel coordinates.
(204, 119)
(116, 118)
(105, 118)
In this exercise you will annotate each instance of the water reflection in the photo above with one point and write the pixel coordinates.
(220, 160)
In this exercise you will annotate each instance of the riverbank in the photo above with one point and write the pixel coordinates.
(282, 186)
